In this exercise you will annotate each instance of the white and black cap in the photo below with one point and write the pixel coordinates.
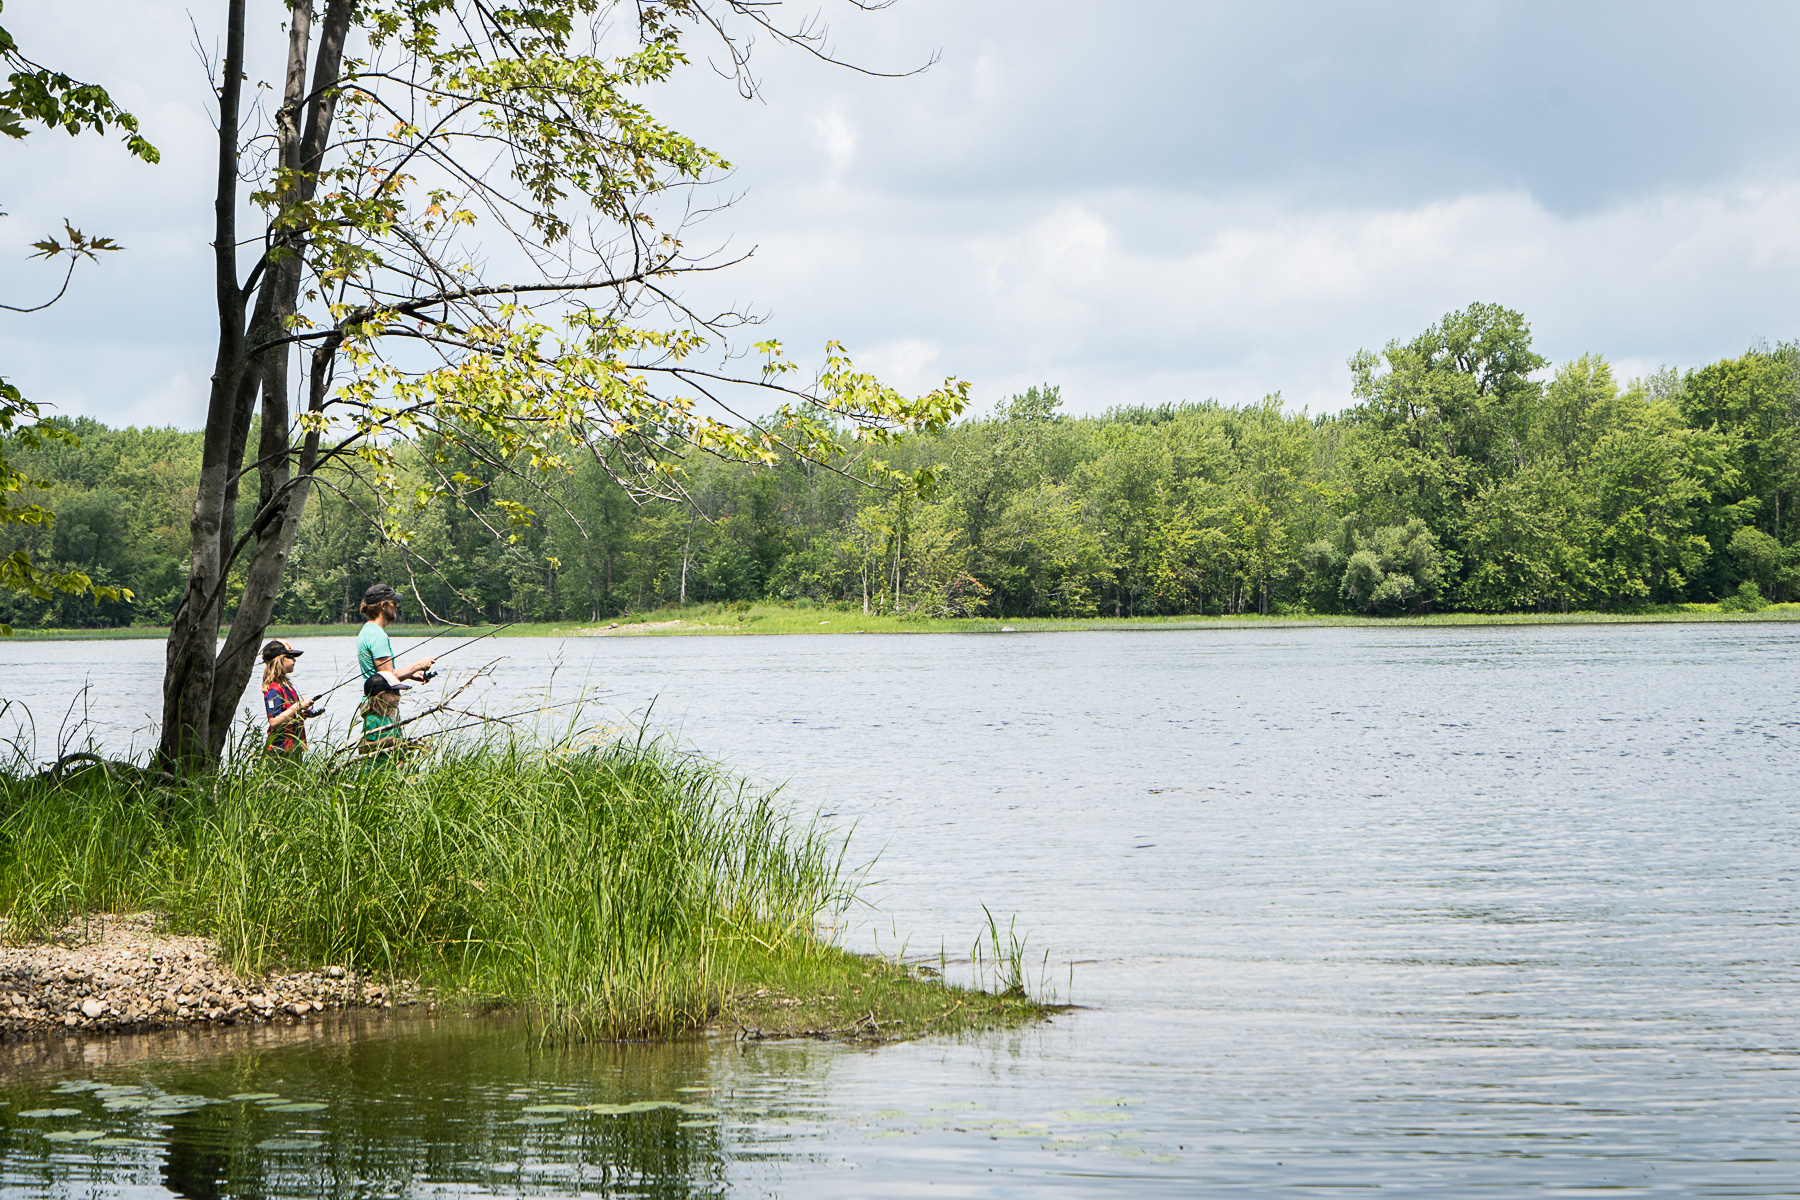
(384, 681)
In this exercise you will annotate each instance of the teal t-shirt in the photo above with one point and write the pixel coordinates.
(371, 644)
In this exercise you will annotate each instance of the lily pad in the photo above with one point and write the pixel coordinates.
(693, 1089)
(115, 1142)
(609, 1110)
(1165, 1158)
(278, 1143)
(74, 1135)
(700, 1110)
(953, 1105)
(126, 1103)
(51, 1112)
(650, 1105)
(888, 1114)
(297, 1107)
(544, 1120)
(891, 1133)
(253, 1096)
(1128, 1152)
(696, 1124)
(1110, 1101)
(551, 1108)
(78, 1085)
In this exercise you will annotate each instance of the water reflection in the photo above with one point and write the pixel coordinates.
(362, 1105)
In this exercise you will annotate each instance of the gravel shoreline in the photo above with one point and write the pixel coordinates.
(120, 974)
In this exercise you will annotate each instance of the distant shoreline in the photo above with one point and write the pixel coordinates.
(780, 619)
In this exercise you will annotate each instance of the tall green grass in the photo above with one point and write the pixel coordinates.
(617, 888)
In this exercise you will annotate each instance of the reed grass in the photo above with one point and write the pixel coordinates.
(621, 890)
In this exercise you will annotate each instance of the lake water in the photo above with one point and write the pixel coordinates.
(1445, 912)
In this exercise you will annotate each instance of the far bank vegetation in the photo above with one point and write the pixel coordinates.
(1468, 475)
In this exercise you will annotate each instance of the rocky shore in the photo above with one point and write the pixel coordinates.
(119, 973)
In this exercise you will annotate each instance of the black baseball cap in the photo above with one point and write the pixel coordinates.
(384, 681)
(279, 649)
(379, 593)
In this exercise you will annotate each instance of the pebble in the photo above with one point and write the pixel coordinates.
(120, 973)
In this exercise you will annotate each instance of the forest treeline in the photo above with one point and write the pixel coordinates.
(1466, 474)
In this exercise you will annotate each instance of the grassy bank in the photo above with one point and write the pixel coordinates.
(772, 617)
(696, 620)
(624, 890)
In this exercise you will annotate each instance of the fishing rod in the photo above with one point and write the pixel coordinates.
(429, 675)
(511, 716)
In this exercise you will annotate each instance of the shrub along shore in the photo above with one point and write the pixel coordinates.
(775, 617)
(622, 890)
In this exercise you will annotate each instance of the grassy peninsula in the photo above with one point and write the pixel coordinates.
(620, 890)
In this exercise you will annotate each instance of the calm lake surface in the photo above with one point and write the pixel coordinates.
(1445, 912)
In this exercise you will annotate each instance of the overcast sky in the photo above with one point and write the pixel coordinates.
(1142, 201)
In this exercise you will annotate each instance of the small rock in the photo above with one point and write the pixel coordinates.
(335, 972)
(93, 1008)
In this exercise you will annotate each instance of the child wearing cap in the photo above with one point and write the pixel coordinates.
(380, 714)
(287, 713)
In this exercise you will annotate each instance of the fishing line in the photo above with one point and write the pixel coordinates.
(340, 683)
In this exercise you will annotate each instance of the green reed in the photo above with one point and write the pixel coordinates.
(616, 888)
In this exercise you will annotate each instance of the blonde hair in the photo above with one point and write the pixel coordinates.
(273, 671)
(382, 704)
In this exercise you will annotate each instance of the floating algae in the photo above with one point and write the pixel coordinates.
(695, 1124)
(541, 1120)
(954, 1104)
(888, 1114)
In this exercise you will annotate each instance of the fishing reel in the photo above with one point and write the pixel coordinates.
(428, 676)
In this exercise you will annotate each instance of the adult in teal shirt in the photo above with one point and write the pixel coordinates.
(374, 648)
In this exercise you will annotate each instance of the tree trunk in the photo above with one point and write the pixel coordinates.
(201, 691)
(686, 544)
(194, 631)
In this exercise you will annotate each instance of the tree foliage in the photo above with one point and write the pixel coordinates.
(1577, 494)
(35, 94)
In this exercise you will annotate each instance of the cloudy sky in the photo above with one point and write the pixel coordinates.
(1143, 201)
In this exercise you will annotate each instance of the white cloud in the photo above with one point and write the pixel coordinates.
(837, 137)
(906, 364)
(1142, 211)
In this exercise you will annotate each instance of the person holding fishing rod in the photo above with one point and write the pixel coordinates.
(286, 711)
(374, 648)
